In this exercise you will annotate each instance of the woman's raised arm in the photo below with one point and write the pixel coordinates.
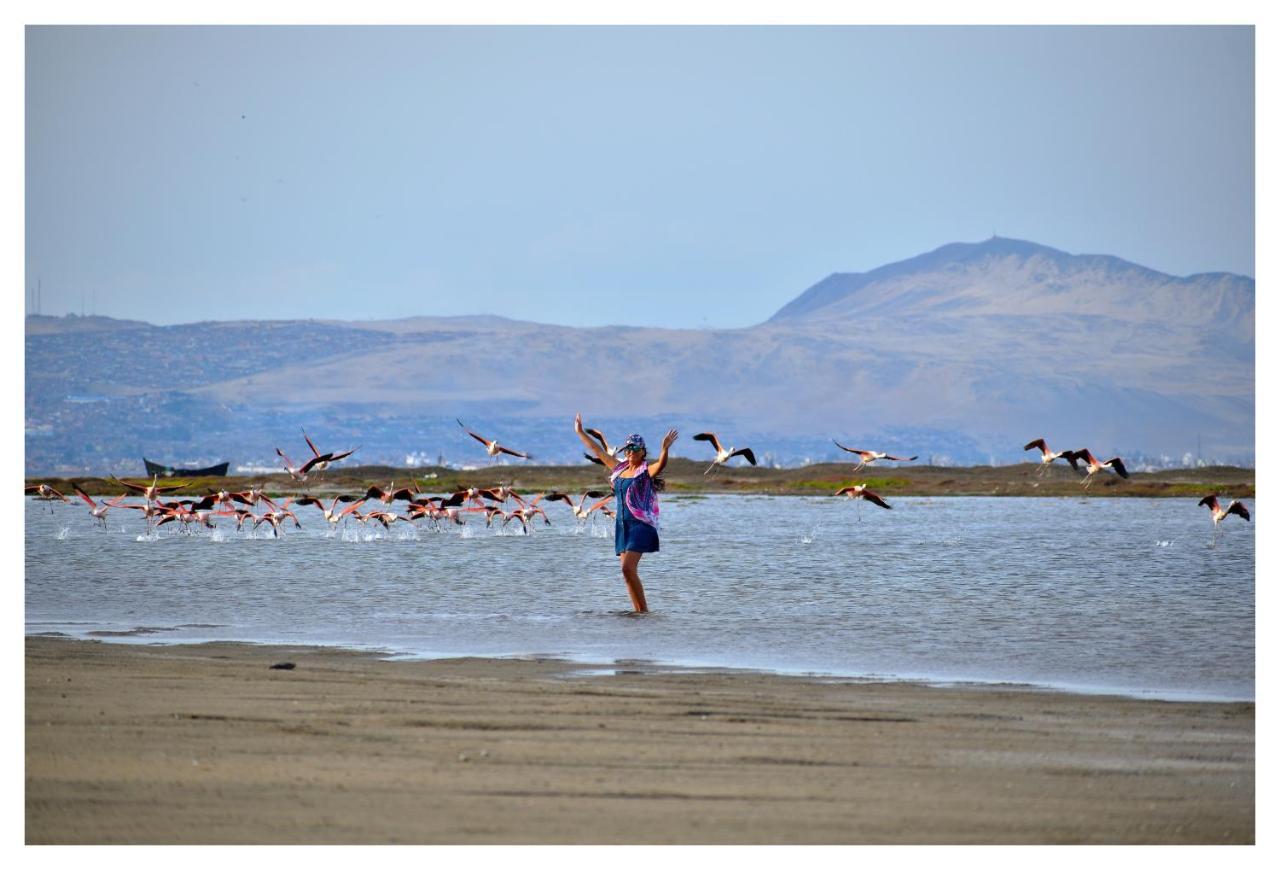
(594, 446)
(655, 467)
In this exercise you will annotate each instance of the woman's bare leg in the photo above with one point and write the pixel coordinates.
(630, 562)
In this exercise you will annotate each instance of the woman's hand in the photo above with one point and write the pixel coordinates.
(669, 439)
(577, 424)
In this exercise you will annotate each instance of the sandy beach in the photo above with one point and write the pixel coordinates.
(208, 744)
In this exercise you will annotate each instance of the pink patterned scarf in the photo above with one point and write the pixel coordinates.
(641, 499)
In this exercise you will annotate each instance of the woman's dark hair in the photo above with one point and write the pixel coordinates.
(659, 485)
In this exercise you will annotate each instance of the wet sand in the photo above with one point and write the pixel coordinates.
(207, 744)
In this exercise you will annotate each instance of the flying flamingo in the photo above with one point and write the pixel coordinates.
(526, 513)
(860, 491)
(387, 518)
(390, 494)
(454, 515)
(580, 509)
(529, 512)
(323, 460)
(277, 517)
(251, 497)
(867, 457)
(150, 510)
(471, 494)
(213, 499)
(493, 448)
(98, 512)
(1091, 464)
(154, 489)
(500, 494)
(723, 455)
(241, 514)
(44, 492)
(1219, 514)
(1047, 456)
(604, 445)
(420, 510)
(192, 514)
(331, 513)
(300, 472)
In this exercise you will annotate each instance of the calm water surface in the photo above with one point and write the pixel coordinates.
(1130, 596)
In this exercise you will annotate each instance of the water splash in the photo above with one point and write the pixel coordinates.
(64, 533)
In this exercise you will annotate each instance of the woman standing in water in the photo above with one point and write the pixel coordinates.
(636, 527)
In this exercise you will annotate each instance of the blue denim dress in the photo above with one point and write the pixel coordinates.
(630, 533)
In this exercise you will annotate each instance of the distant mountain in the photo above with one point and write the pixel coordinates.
(1008, 277)
(962, 354)
(43, 324)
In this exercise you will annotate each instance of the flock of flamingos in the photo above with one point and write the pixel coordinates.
(454, 508)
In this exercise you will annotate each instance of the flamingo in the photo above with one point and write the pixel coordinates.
(212, 500)
(251, 497)
(181, 511)
(387, 518)
(323, 460)
(241, 514)
(528, 512)
(271, 519)
(471, 494)
(455, 515)
(221, 497)
(193, 514)
(149, 510)
(525, 513)
(493, 448)
(45, 492)
(362, 519)
(420, 510)
(612, 452)
(723, 455)
(300, 472)
(331, 513)
(500, 494)
(98, 512)
(1219, 514)
(154, 489)
(1047, 456)
(580, 510)
(517, 514)
(867, 457)
(860, 491)
(277, 517)
(1091, 464)
(390, 494)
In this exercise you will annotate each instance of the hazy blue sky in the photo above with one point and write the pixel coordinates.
(673, 176)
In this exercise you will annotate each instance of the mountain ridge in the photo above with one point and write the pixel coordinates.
(992, 344)
(840, 287)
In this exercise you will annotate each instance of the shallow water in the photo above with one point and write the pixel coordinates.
(1130, 596)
